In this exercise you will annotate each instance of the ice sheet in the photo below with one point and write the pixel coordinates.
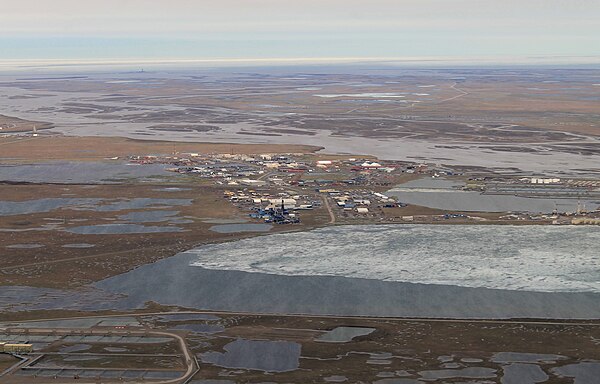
(529, 258)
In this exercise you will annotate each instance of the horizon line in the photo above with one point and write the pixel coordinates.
(505, 60)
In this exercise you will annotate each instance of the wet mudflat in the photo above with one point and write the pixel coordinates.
(236, 228)
(97, 214)
(162, 107)
(149, 216)
(140, 203)
(410, 351)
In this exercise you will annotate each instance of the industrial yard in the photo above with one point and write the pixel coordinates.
(354, 188)
(96, 350)
(161, 203)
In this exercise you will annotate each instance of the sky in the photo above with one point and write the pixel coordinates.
(288, 29)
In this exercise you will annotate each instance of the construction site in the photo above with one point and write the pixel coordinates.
(95, 350)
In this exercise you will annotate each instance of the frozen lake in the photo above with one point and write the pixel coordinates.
(529, 258)
(489, 271)
(387, 270)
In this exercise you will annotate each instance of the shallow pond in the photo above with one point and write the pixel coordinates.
(11, 208)
(517, 357)
(520, 373)
(112, 229)
(75, 348)
(468, 373)
(78, 172)
(445, 194)
(25, 246)
(269, 356)
(398, 381)
(139, 203)
(335, 379)
(186, 317)
(79, 245)
(115, 349)
(344, 334)
(8, 208)
(583, 373)
(199, 328)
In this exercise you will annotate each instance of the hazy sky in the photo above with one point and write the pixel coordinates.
(197, 29)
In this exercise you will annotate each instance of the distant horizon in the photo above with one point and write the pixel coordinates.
(275, 30)
(18, 65)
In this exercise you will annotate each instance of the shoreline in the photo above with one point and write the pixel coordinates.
(15, 316)
(315, 295)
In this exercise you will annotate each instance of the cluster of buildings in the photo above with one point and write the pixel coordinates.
(280, 208)
(275, 187)
(580, 216)
(583, 183)
(359, 201)
(586, 221)
(542, 180)
(283, 168)
(537, 187)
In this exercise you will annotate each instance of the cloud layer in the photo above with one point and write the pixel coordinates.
(315, 28)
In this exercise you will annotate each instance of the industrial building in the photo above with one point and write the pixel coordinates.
(585, 221)
(15, 348)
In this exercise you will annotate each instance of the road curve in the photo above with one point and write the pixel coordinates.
(190, 361)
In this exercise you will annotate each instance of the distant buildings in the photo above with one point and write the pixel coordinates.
(539, 180)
